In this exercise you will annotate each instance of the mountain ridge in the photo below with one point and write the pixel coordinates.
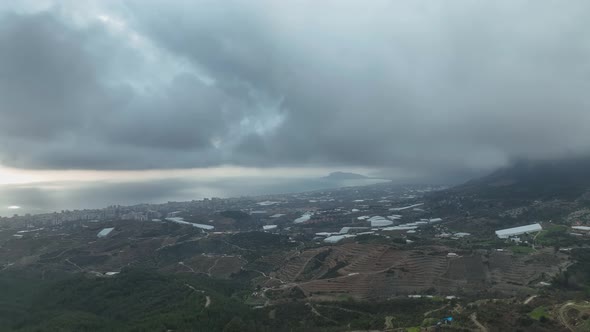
(555, 178)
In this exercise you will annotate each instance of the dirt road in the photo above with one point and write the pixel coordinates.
(562, 317)
(473, 318)
(527, 301)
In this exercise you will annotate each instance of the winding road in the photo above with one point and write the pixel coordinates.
(562, 317)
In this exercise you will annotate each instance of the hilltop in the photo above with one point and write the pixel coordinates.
(535, 179)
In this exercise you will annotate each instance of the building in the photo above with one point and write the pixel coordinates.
(378, 221)
(269, 227)
(105, 232)
(346, 230)
(509, 232)
(336, 238)
(580, 230)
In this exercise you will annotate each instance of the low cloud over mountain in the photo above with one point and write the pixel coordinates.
(417, 87)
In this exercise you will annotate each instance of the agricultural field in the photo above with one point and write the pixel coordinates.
(380, 272)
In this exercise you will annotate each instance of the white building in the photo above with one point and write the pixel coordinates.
(336, 238)
(406, 207)
(180, 220)
(378, 221)
(345, 230)
(400, 228)
(105, 232)
(508, 232)
(305, 217)
(581, 228)
(323, 234)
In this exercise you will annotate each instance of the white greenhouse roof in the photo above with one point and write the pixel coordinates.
(503, 233)
(378, 221)
(105, 232)
(400, 228)
(180, 220)
(336, 238)
(305, 217)
(406, 207)
(345, 230)
(381, 223)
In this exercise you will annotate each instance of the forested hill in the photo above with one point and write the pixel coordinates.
(549, 179)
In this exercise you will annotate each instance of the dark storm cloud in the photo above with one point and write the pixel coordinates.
(69, 100)
(47, 84)
(433, 88)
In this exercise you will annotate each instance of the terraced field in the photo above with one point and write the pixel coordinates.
(419, 272)
(524, 270)
(411, 274)
(379, 271)
(364, 259)
(218, 266)
(224, 267)
(359, 286)
(294, 266)
(464, 273)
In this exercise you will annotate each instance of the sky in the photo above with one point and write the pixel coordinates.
(145, 92)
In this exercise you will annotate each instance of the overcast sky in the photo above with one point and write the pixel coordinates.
(419, 88)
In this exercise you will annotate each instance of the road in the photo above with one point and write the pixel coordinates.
(435, 310)
(563, 318)
(191, 269)
(317, 313)
(534, 239)
(76, 265)
(207, 297)
(212, 266)
(342, 309)
(270, 277)
(473, 318)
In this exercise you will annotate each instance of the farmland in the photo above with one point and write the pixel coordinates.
(381, 272)
(427, 259)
